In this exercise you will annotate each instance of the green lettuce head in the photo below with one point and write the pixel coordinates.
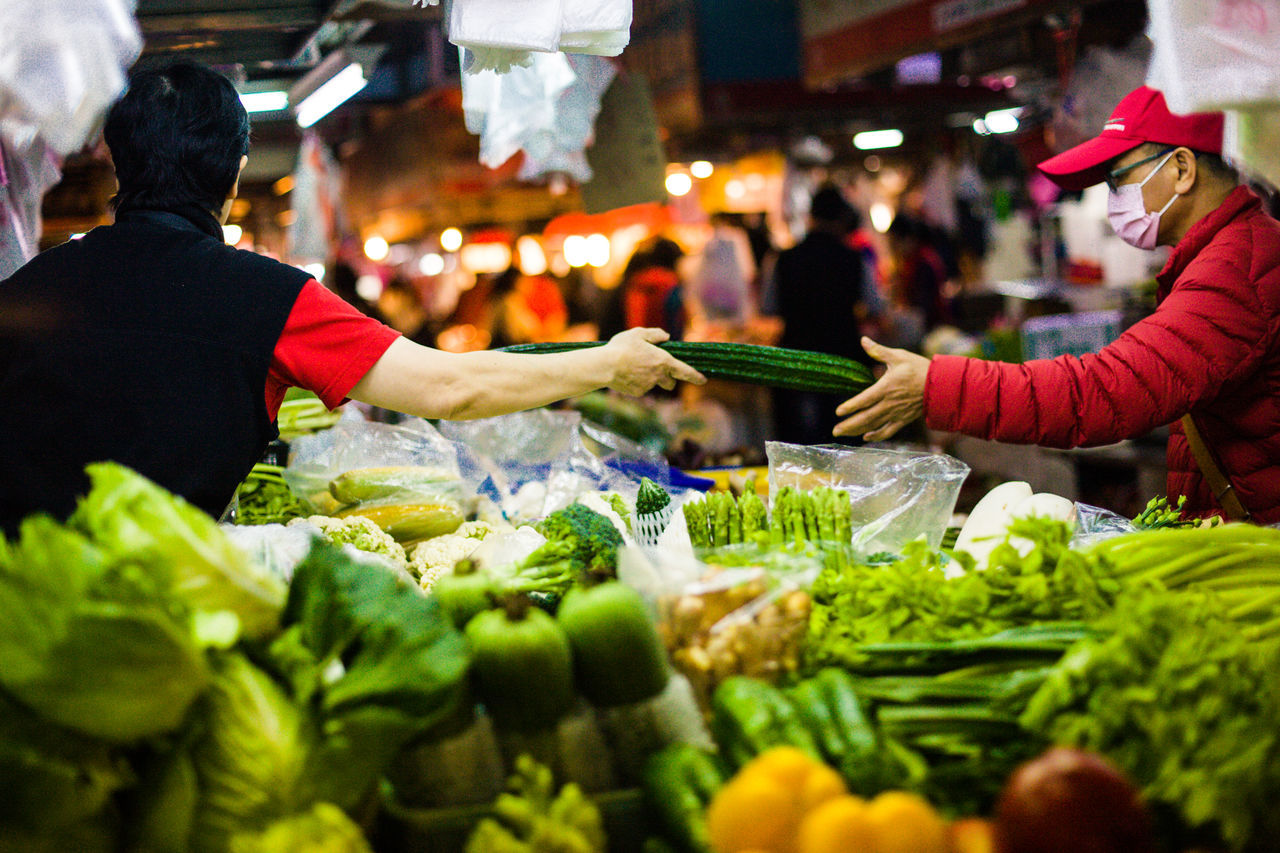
(131, 518)
(90, 643)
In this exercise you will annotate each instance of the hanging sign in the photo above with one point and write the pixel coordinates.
(842, 40)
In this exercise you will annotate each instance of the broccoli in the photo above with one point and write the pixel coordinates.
(581, 544)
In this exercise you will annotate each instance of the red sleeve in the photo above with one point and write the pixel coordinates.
(327, 346)
(1205, 337)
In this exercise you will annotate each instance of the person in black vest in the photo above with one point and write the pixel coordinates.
(151, 343)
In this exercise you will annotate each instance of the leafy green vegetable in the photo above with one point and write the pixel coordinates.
(323, 829)
(93, 644)
(395, 646)
(131, 518)
(49, 776)
(1180, 701)
(365, 663)
(264, 498)
(914, 599)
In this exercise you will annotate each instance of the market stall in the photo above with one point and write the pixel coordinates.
(526, 634)
(641, 623)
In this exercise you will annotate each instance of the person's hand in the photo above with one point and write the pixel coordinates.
(638, 365)
(894, 401)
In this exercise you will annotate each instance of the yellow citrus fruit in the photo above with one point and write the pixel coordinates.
(820, 785)
(785, 764)
(752, 813)
(905, 823)
(839, 825)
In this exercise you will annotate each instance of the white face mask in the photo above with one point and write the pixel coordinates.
(1128, 213)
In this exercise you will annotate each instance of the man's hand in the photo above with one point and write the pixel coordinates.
(894, 401)
(638, 365)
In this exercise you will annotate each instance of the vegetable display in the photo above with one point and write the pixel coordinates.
(617, 655)
(797, 516)
(772, 689)
(533, 817)
(1176, 695)
(523, 666)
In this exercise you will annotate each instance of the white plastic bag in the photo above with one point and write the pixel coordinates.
(1213, 54)
(28, 169)
(63, 62)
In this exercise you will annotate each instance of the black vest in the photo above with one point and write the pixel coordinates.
(146, 342)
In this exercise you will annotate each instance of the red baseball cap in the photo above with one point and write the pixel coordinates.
(1141, 116)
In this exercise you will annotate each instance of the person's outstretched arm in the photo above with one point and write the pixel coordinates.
(431, 383)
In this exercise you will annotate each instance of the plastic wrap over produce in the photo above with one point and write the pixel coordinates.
(1094, 524)
(534, 463)
(406, 478)
(742, 611)
(897, 495)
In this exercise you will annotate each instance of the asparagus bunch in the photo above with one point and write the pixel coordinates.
(820, 515)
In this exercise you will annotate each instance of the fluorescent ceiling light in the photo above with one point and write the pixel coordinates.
(264, 102)
(870, 140)
(1002, 121)
(332, 93)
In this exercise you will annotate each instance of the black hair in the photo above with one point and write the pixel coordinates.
(176, 138)
(828, 205)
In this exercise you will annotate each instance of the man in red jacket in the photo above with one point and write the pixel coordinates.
(1210, 350)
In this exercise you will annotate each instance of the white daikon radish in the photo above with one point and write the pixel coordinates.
(989, 522)
(1041, 505)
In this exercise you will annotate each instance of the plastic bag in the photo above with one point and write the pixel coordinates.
(28, 169)
(1211, 54)
(716, 620)
(1101, 77)
(1094, 524)
(897, 495)
(404, 477)
(546, 109)
(278, 548)
(62, 63)
(534, 463)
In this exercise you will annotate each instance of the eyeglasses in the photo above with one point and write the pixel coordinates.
(1113, 177)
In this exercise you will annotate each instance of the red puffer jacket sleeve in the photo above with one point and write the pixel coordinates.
(1209, 333)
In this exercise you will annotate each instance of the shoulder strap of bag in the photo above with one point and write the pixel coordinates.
(1218, 482)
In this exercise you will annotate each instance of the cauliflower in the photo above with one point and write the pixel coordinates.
(437, 556)
(358, 532)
